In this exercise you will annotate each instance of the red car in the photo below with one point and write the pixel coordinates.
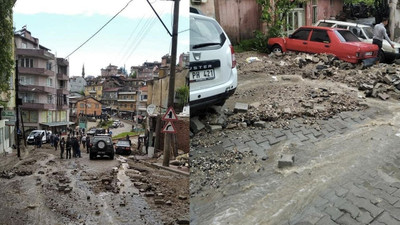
(339, 42)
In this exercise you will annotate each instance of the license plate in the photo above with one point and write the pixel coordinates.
(368, 53)
(201, 75)
(101, 153)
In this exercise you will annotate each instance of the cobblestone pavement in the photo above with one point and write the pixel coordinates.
(347, 171)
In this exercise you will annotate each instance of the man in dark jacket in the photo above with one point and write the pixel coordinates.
(75, 145)
(68, 147)
(62, 145)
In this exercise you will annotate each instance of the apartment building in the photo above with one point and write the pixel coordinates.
(43, 84)
(77, 84)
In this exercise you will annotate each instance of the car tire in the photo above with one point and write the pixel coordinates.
(112, 156)
(276, 49)
(381, 56)
(101, 145)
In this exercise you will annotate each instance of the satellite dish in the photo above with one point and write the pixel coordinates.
(150, 109)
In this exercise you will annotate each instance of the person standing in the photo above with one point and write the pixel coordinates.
(84, 141)
(56, 140)
(380, 34)
(87, 144)
(62, 145)
(68, 147)
(75, 145)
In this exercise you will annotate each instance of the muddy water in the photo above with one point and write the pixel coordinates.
(276, 196)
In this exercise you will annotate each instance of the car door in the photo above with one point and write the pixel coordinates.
(298, 41)
(320, 42)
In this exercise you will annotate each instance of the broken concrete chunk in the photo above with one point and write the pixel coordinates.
(214, 128)
(383, 96)
(286, 160)
(261, 124)
(196, 125)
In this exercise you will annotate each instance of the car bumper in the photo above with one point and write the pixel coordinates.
(202, 103)
(392, 55)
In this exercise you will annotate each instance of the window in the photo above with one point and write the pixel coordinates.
(97, 106)
(81, 112)
(346, 36)
(50, 99)
(301, 34)
(23, 45)
(49, 82)
(320, 36)
(81, 105)
(26, 62)
(30, 116)
(48, 65)
(314, 11)
(131, 105)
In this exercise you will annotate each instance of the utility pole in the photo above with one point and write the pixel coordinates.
(171, 93)
(17, 108)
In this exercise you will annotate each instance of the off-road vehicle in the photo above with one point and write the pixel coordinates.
(101, 145)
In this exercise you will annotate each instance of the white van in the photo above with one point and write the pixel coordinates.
(31, 137)
(365, 33)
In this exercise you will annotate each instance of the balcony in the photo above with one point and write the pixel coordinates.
(92, 92)
(61, 76)
(32, 104)
(35, 88)
(126, 100)
(62, 107)
(38, 53)
(35, 71)
(62, 91)
(62, 62)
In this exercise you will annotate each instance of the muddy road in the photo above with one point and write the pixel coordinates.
(44, 189)
(343, 142)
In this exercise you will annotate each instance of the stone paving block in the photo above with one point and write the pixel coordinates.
(316, 133)
(286, 160)
(305, 131)
(241, 107)
(272, 140)
(389, 198)
(277, 132)
(347, 220)
(312, 138)
(349, 122)
(329, 128)
(320, 202)
(337, 201)
(243, 149)
(357, 119)
(289, 134)
(392, 210)
(282, 138)
(326, 220)
(365, 204)
(238, 143)
(384, 187)
(350, 208)
(365, 217)
(396, 193)
(343, 115)
(311, 216)
(376, 223)
(362, 193)
(259, 151)
(339, 123)
(265, 145)
(326, 133)
(266, 133)
(245, 138)
(196, 125)
(333, 212)
(227, 143)
(301, 137)
(295, 130)
(341, 191)
(387, 219)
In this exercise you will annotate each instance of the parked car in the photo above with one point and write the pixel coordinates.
(123, 147)
(339, 42)
(213, 74)
(101, 145)
(365, 33)
(30, 140)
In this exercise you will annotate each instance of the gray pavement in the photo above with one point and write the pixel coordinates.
(347, 171)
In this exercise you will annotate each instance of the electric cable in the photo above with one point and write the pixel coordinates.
(100, 29)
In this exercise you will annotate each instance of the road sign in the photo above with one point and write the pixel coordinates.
(170, 115)
(150, 109)
(169, 128)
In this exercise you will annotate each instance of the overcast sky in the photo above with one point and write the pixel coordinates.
(133, 37)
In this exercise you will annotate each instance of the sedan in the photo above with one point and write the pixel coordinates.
(339, 42)
(123, 147)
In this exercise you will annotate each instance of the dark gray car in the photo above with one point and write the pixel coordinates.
(101, 145)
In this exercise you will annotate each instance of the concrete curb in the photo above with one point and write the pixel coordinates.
(174, 170)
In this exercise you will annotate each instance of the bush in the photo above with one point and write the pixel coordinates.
(259, 43)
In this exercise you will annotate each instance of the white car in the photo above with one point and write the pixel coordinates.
(365, 34)
(31, 137)
(213, 74)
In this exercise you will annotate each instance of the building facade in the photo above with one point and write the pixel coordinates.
(95, 90)
(77, 84)
(43, 84)
(88, 106)
(127, 100)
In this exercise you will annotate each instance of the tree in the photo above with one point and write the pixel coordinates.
(6, 50)
(182, 94)
(133, 74)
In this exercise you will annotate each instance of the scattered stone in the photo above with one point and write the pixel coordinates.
(261, 124)
(264, 158)
(181, 197)
(214, 128)
(183, 221)
(149, 194)
(168, 202)
(97, 212)
(159, 201)
(383, 96)
(232, 126)
(241, 107)
(196, 125)
(387, 79)
(286, 160)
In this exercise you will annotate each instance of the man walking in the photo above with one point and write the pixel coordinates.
(84, 141)
(56, 140)
(380, 34)
(87, 144)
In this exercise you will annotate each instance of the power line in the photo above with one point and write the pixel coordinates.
(100, 29)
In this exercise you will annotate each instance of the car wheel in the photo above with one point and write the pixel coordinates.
(112, 156)
(381, 56)
(276, 49)
(101, 145)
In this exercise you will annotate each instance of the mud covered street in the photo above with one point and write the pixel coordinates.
(44, 189)
(338, 123)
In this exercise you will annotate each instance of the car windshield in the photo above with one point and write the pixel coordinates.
(205, 33)
(346, 36)
(124, 143)
(325, 24)
(369, 32)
